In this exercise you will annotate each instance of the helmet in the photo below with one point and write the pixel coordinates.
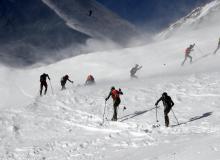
(164, 94)
(113, 88)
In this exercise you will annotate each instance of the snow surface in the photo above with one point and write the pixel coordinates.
(66, 125)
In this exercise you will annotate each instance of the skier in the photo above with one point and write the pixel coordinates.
(115, 94)
(217, 47)
(90, 13)
(134, 70)
(63, 81)
(90, 80)
(168, 104)
(43, 83)
(187, 53)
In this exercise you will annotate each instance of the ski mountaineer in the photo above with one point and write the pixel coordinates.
(63, 81)
(43, 83)
(168, 104)
(187, 53)
(90, 13)
(217, 47)
(134, 70)
(115, 94)
(90, 80)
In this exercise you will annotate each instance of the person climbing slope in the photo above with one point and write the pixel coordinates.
(90, 13)
(218, 47)
(187, 53)
(90, 80)
(43, 83)
(134, 70)
(63, 81)
(168, 104)
(115, 94)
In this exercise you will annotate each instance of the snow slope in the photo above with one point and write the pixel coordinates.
(102, 24)
(199, 18)
(66, 124)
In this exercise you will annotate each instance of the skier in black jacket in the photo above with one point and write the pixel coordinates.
(63, 81)
(43, 83)
(168, 104)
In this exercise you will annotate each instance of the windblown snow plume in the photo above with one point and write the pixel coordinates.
(199, 18)
(102, 23)
(46, 31)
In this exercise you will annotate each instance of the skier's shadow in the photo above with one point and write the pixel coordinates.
(195, 118)
(135, 114)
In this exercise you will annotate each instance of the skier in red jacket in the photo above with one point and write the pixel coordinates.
(115, 94)
(187, 53)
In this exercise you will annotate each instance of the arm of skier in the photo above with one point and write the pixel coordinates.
(158, 101)
(120, 92)
(172, 103)
(70, 81)
(48, 77)
(108, 96)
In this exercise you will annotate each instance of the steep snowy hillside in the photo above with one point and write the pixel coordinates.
(102, 23)
(31, 32)
(199, 18)
(66, 125)
(36, 32)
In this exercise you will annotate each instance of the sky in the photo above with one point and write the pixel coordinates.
(152, 14)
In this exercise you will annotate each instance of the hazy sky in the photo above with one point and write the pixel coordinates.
(152, 14)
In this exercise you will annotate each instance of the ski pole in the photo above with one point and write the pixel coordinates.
(175, 117)
(103, 118)
(156, 115)
(51, 87)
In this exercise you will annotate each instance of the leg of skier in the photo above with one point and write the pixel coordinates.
(184, 61)
(190, 58)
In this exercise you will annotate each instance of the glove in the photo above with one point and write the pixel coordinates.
(106, 99)
(120, 89)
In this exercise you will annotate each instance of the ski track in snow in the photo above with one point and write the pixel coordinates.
(67, 125)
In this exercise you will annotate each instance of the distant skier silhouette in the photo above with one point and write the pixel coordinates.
(43, 83)
(63, 81)
(218, 47)
(90, 13)
(90, 80)
(187, 53)
(115, 94)
(168, 104)
(134, 70)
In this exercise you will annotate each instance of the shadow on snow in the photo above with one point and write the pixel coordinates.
(135, 114)
(195, 118)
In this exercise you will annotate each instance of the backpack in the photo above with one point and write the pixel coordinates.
(187, 51)
(115, 94)
(90, 78)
